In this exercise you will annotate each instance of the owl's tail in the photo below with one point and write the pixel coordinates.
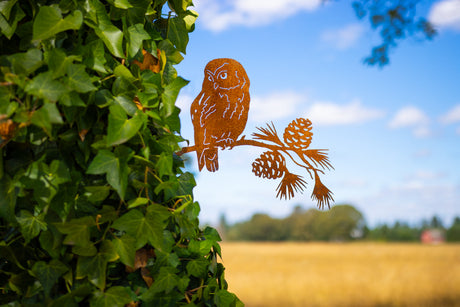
(209, 157)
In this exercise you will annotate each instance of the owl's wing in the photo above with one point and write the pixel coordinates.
(200, 110)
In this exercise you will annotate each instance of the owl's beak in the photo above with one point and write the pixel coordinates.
(216, 85)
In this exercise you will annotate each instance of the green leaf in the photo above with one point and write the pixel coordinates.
(120, 128)
(7, 199)
(140, 201)
(96, 194)
(179, 6)
(166, 280)
(72, 99)
(78, 79)
(58, 173)
(6, 6)
(107, 32)
(126, 249)
(49, 22)
(197, 267)
(170, 93)
(148, 228)
(95, 267)
(116, 296)
(49, 273)
(47, 115)
(164, 164)
(122, 4)
(87, 250)
(31, 225)
(43, 86)
(77, 230)
(8, 24)
(123, 71)
(136, 35)
(58, 61)
(190, 19)
(27, 62)
(177, 33)
(114, 165)
(94, 56)
(223, 298)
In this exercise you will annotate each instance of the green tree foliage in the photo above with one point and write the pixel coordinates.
(341, 223)
(400, 231)
(453, 233)
(95, 208)
(395, 20)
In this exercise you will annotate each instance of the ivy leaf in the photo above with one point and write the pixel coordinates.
(126, 249)
(136, 35)
(87, 250)
(164, 164)
(122, 4)
(95, 267)
(120, 128)
(58, 61)
(27, 62)
(116, 296)
(177, 33)
(197, 267)
(224, 298)
(72, 99)
(148, 228)
(140, 201)
(190, 19)
(114, 165)
(49, 22)
(49, 273)
(47, 115)
(166, 280)
(43, 86)
(31, 225)
(170, 93)
(94, 56)
(107, 32)
(9, 22)
(6, 7)
(77, 230)
(78, 79)
(7, 199)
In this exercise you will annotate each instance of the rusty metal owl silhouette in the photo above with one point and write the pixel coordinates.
(219, 115)
(220, 111)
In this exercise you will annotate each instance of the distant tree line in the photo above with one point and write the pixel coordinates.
(340, 223)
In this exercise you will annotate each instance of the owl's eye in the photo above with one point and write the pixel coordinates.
(223, 76)
(210, 78)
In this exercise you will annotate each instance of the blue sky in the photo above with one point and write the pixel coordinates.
(393, 134)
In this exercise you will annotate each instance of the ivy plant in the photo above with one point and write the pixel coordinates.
(95, 206)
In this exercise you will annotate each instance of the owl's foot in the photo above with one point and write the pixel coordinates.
(228, 142)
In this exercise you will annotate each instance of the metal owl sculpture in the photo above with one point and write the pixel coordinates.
(220, 111)
(219, 115)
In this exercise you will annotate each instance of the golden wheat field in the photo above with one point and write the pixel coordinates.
(343, 274)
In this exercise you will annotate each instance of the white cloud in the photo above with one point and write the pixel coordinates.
(275, 106)
(327, 113)
(452, 116)
(445, 14)
(345, 37)
(412, 117)
(220, 15)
